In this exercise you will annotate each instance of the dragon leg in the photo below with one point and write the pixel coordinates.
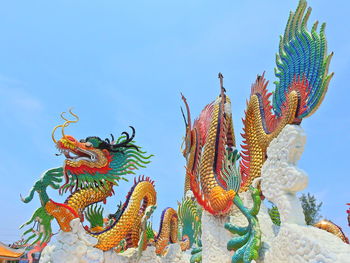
(248, 243)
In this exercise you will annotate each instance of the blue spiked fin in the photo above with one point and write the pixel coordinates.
(302, 55)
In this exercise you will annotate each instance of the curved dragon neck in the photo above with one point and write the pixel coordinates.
(261, 127)
(76, 203)
(214, 137)
(207, 168)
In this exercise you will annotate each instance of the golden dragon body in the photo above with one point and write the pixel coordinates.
(91, 170)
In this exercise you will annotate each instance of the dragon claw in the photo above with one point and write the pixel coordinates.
(43, 219)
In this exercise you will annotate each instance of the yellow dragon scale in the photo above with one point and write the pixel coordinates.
(144, 191)
(257, 138)
(168, 232)
(85, 197)
(212, 193)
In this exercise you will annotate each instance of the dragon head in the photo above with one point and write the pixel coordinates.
(93, 162)
(83, 156)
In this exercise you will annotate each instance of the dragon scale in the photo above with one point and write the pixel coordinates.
(167, 230)
(85, 197)
(205, 150)
(260, 128)
(143, 194)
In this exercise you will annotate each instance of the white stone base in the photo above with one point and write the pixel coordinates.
(281, 180)
(306, 244)
(78, 247)
(148, 256)
(214, 239)
(72, 247)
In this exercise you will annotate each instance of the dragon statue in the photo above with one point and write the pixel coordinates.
(143, 233)
(216, 173)
(91, 170)
(302, 72)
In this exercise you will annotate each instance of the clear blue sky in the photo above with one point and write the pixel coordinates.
(121, 63)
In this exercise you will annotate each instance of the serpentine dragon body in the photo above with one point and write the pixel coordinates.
(91, 170)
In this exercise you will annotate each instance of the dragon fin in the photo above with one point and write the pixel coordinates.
(302, 58)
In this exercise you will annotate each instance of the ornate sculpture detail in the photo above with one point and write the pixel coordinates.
(205, 147)
(190, 220)
(247, 245)
(281, 179)
(91, 170)
(215, 173)
(302, 69)
(303, 79)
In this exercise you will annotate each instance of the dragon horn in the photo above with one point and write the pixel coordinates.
(183, 115)
(188, 112)
(53, 132)
(67, 122)
(222, 89)
(55, 128)
(127, 140)
(62, 116)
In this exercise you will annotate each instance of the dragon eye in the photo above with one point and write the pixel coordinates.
(88, 144)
